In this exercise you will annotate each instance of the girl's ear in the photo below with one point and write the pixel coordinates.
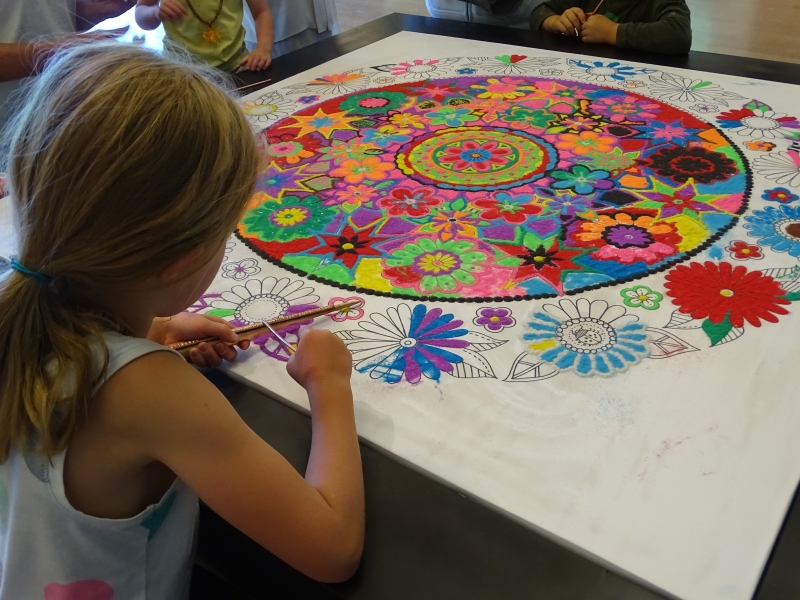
(178, 268)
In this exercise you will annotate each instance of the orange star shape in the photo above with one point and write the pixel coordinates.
(323, 122)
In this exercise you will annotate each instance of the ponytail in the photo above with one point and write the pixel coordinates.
(120, 163)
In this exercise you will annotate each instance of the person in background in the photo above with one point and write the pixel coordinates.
(508, 13)
(212, 30)
(662, 26)
(31, 29)
(298, 23)
(129, 171)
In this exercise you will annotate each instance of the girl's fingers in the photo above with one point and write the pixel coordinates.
(225, 352)
(196, 358)
(210, 356)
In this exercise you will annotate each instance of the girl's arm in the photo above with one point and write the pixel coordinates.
(261, 57)
(150, 14)
(161, 409)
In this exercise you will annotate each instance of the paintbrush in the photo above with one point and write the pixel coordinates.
(280, 338)
(248, 332)
(596, 8)
(244, 87)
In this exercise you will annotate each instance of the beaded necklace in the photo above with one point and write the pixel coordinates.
(210, 35)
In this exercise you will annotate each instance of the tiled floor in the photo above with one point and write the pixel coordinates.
(757, 28)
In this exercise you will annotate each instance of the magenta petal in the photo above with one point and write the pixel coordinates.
(429, 318)
(413, 372)
(439, 361)
(446, 343)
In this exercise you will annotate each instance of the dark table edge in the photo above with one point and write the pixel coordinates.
(306, 58)
(563, 542)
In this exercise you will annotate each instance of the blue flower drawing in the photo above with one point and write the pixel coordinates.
(603, 72)
(776, 227)
(590, 338)
(409, 344)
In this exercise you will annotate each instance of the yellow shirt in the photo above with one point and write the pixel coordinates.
(222, 44)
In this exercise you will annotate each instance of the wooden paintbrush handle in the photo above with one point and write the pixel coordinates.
(248, 332)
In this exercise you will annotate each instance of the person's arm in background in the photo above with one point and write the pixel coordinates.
(151, 13)
(19, 60)
(261, 57)
(551, 12)
(89, 13)
(26, 59)
(670, 33)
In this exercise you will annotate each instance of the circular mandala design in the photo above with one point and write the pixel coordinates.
(481, 187)
(476, 158)
(261, 307)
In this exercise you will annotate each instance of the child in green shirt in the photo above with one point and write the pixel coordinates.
(662, 26)
(212, 30)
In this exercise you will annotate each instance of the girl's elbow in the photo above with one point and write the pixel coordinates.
(341, 562)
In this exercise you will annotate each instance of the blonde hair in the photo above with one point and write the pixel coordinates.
(120, 162)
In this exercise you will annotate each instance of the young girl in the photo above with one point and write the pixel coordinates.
(212, 30)
(107, 437)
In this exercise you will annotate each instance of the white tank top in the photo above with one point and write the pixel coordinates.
(50, 551)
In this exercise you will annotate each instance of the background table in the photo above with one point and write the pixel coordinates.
(424, 540)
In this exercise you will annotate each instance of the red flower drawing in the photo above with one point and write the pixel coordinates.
(708, 290)
(414, 203)
(511, 212)
(743, 251)
(348, 246)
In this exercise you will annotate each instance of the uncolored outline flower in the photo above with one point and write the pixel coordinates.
(242, 269)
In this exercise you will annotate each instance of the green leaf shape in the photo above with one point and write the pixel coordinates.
(304, 263)
(717, 331)
(793, 296)
(220, 312)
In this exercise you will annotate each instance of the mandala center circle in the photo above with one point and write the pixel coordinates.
(348, 246)
(586, 335)
(763, 123)
(476, 158)
(262, 307)
(408, 342)
(726, 292)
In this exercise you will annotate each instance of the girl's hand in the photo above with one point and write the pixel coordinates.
(186, 326)
(599, 30)
(569, 23)
(258, 60)
(170, 10)
(320, 356)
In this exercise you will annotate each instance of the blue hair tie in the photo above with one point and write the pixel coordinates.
(20, 268)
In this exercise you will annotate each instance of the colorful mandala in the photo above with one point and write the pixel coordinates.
(491, 187)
